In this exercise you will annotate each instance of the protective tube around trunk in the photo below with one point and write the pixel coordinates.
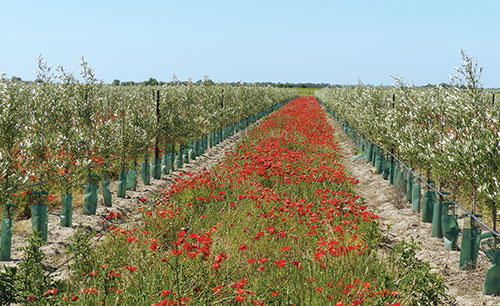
(471, 237)
(179, 160)
(409, 188)
(7, 227)
(146, 171)
(197, 148)
(428, 206)
(132, 178)
(171, 156)
(374, 154)
(402, 182)
(91, 191)
(437, 228)
(185, 155)
(386, 169)
(204, 143)
(39, 214)
(492, 280)
(164, 167)
(106, 193)
(450, 227)
(67, 209)
(415, 197)
(396, 176)
(156, 165)
(192, 152)
(379, 162)
(216, 138)
(122, 182)
(392, 170)
(369, 153)
(359, 143)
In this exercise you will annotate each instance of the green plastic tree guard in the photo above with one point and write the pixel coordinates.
(132, 178)
(471, 237)
(105, 184)
(392, 170)
(492, 280)
(374, 154)
(450, 225)
(146, 171)
(428, 206)
(171, 160)
(409, 188)
(156, 165)
(191, 152)
(415, 197)
(122, 182)
(396, 176)
(179, 160)
(90, 197)
(7, 227)
(368, 152)
(164, 167)
(214, 137)
(379, 163)
(204, 146)
(67, 209)
(106, 193)
(359, 143)
(39, 214)
(185, 155)
(402, 182)
(386, 169)
(437, 227)
(197, 148)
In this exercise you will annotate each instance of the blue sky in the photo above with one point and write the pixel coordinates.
(280, 41)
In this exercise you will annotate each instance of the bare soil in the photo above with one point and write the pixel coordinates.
(465, 286)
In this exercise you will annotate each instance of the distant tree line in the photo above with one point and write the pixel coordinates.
(206, 81)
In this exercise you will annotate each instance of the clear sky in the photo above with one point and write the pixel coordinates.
(279, 41)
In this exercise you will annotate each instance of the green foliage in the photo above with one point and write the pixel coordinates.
(28, 282)
(81, 253)
(61, 125)
(414, 279)
(31, 279)
(7, 285)
(450, 132)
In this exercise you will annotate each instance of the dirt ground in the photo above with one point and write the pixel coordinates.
(56, 260)
(465, 286)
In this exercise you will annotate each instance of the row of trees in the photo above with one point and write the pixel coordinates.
(452, 133)
(63, 127)
(206, 81)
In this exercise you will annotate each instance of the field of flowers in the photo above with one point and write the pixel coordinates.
(275, 223)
